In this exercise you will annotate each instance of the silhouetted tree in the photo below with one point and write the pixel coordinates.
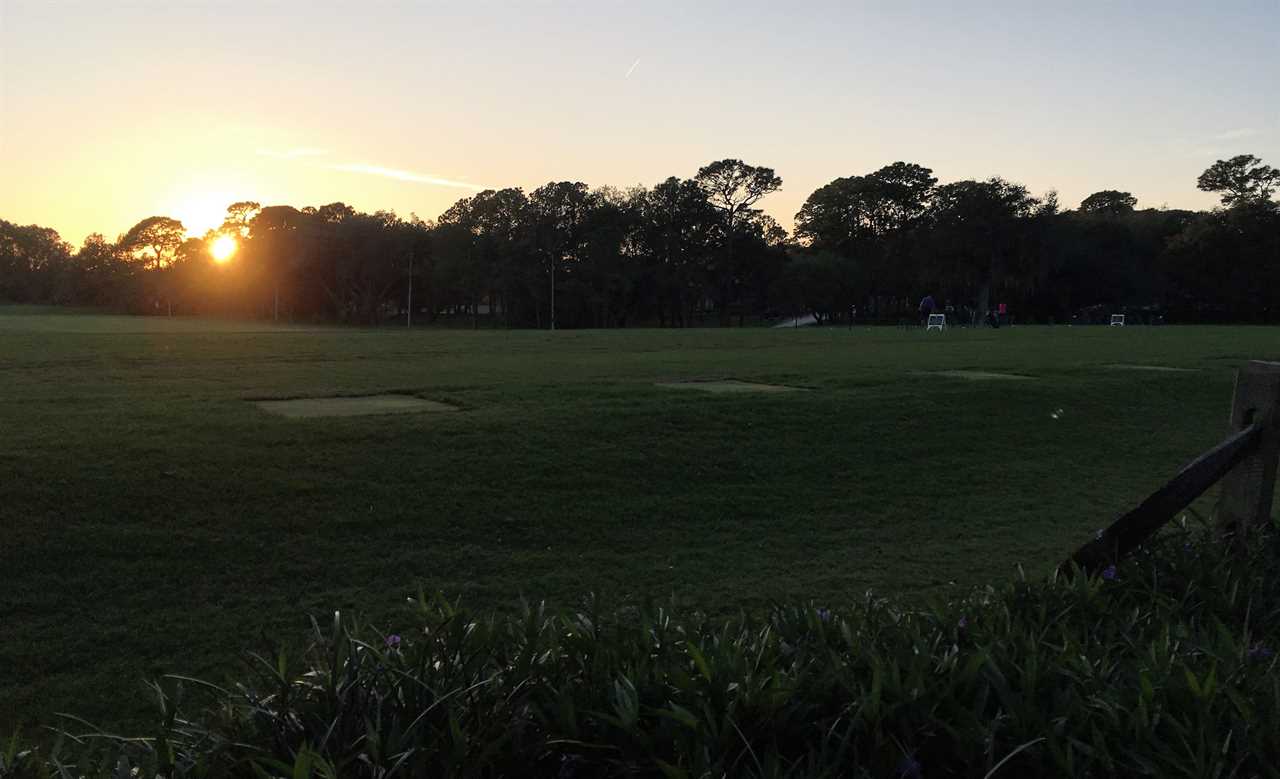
(416, 240)
(684, 248)
(557, 217)
(979, 230)
(239, 217)
(497, 220)
(675, 238)
(1110, 202)
(30, 259)
(732, 187)
(279, 240)
(154, 241)
(100, 275)
(1240, 180)
(864, 221)
(1247, 287)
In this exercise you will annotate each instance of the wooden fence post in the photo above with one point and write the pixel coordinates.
(1248, 489)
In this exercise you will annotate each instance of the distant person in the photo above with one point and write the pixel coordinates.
(1002, 313)
(992, 320)
(927, 305)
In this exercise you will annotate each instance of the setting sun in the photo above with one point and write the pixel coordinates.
(223, 248)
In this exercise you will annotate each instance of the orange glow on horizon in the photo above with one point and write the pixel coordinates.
(222, 248)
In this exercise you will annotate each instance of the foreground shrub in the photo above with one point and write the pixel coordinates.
(1162, 667)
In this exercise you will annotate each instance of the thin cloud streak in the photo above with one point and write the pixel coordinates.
(1236, 134)
(405, 175)
(632, 69)
(292, 154)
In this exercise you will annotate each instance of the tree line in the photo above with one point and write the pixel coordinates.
(692, 251)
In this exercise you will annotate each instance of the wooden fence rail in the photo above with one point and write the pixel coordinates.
(1245, 462)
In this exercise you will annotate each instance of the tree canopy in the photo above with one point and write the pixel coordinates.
(154, 241)
(1110, 202)
(1241, 180)
(689, 251)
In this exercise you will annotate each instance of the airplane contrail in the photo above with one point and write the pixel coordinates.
(405, 175)
(292, 154)
(632, 69)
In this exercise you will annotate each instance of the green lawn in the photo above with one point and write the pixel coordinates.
(154, 521)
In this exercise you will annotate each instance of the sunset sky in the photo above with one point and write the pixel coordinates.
(113, 112)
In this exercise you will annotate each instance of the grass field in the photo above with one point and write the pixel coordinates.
(155, 520)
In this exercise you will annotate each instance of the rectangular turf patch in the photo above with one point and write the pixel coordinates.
(982, 375)
(729, 385)
(1153, 368)
(301, 408)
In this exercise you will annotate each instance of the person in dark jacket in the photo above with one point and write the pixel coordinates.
(927, 307)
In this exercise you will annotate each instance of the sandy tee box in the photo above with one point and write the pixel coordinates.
(297, 408)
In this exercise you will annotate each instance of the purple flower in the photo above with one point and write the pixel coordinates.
(824, 615)
(910, 768)
(1109, 573)
(393, 641)
(963, 623)
(1260, 652)
(569, 766)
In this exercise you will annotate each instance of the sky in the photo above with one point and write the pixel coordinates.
(112, 112)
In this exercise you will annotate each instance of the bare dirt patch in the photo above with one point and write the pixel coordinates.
(299, 408)
(982, 375)
(729, 385)
(1157, 368)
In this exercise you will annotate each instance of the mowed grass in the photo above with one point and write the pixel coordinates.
(155, 520)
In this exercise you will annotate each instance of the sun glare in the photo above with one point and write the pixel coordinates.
(223, 248)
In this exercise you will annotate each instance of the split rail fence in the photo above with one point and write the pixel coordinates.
(1245, 462)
